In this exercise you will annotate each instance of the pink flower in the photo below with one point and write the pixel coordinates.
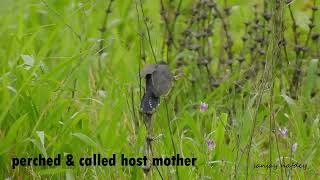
(294, 147)
(283, 131)
(211, 144)
(203, 106)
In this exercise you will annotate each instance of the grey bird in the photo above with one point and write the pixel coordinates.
(158, 83)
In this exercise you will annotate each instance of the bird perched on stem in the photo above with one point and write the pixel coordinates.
(158, 82)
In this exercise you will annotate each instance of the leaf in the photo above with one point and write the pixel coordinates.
(39, 146)
(311, 78)
(113, 23)
(51, 171)
(219, 136)
(11, 136)
(85, 139)
(12, 89)
(69, 175)
(28, 61)
(234, 8)
(41, 136)
(288, 99)
(43, 66)
(302, 20)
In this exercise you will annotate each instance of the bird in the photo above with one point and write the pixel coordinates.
(158, 82)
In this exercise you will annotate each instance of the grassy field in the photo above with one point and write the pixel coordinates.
(246, 88)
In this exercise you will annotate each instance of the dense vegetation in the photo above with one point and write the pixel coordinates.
(245, 91)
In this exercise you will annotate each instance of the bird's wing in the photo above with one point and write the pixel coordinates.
(162, 80)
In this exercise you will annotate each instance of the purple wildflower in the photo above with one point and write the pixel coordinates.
(283, 131)
(211, 144)
(203, 106)
(294, 147)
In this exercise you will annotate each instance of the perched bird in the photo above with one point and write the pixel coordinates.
(158, 83)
